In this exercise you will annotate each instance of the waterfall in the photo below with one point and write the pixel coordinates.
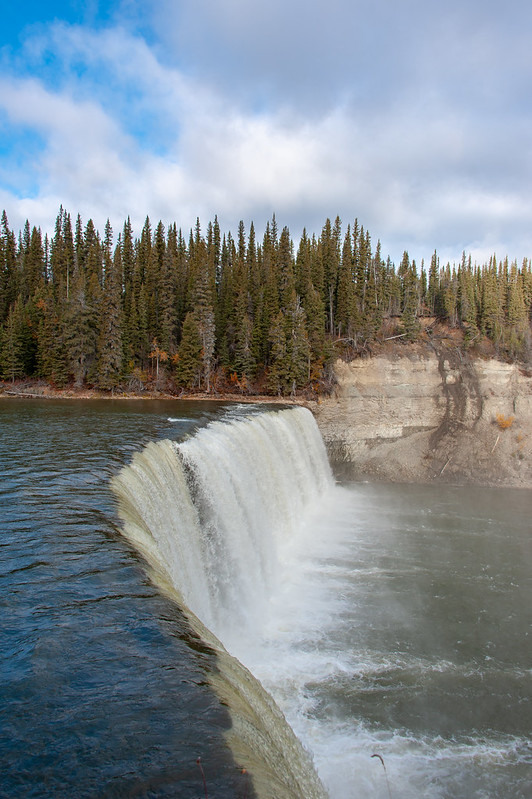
(211, 516)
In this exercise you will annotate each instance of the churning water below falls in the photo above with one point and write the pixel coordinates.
(390, 624)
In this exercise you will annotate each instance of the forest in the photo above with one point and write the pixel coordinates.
(211, 312)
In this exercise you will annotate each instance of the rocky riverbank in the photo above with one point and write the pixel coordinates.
(409, 413)
(423, 415)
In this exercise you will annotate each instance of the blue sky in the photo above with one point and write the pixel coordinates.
(411, 115)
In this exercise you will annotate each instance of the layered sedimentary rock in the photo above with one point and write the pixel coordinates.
(429, 415)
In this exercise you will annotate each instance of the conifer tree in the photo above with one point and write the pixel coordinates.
(381, 289)
(330, 256)
(77, 333)
(526, 274)
(168, 300)
(270, 306)
(224, 305)
(285, 274)
(214, 243)
(434, 298)
(241, 320)
(298, 347)
(189, 354)
(33, 264)
(143, 255)
(346, 311)
(363, 270)
(109, 346)
(207, 335)
(202, 298)
(278, 370)
(180, 259)
(138, 329)
(154, 279)
(517, 333)
(492, 304)
(12, 343)
(51, 354)
(8, 268)
(79, 243)
(82, 309)
(62, 257)
(302, 266)
(128, 266)
(409, 320)
(466, 301)
(244, 361)
(311, 299)
(253, 268)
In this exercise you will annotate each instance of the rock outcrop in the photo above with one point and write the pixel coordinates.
(426, 415)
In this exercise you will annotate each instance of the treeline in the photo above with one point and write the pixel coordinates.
(210, 311)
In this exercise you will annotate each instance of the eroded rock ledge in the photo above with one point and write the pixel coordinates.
(427, 416)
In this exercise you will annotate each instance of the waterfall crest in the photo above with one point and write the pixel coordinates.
(210, 515)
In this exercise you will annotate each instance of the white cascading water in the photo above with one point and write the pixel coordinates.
(211, 516)
(252, 481)
(339, 599)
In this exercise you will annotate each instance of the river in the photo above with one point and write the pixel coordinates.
(390, 623)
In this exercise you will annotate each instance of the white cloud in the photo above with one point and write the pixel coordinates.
(127, 132)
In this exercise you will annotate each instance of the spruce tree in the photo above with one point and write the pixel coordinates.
(517, 334)
(9, 288)
(109, 368)
(51, 351)
(241, 320)
(77, 335)
(330, 257)
(189, 355)
(279, 367)
(202, 303)
(346, 311)
(409, 319)
(168, 300)
(224, 305)
(298, 347)
(33, 265)
(492, 304)
(285, 266)
(434, 298)
(128, 266)
(12, 343)
(467, 303)
(154, 282)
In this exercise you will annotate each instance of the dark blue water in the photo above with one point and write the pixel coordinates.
(103, 687)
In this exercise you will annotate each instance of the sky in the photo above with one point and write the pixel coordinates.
(413, 116)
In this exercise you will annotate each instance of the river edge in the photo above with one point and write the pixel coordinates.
(39, 390)
(420, 416)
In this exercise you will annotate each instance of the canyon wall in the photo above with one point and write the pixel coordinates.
(425, 415)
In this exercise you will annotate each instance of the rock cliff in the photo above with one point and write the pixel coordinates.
(421, 414)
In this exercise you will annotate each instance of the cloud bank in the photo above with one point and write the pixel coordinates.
(411, 117)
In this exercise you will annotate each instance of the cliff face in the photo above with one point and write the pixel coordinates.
(430, 415)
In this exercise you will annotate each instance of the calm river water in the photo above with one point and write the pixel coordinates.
(404, 631)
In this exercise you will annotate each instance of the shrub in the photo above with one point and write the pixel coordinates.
(504, 422)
